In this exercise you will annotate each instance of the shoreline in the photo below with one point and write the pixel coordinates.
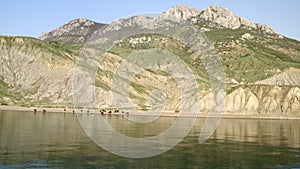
(166, 114)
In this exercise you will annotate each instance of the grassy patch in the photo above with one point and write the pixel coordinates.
(102, 85)
(139, 88)
(61, 50)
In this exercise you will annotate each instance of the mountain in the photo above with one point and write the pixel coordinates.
(75, 31)
(79, 30)
(262, 67)
(215, 16)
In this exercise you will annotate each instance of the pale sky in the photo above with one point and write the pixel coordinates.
(31, 18)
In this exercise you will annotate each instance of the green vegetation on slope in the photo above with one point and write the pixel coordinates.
(66, 51)
(255, 58)
(247, 60)
(10, 97)
(163, 42)
(26, 54)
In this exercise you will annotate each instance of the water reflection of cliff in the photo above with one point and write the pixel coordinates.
(269, 132)
(50, 140)
(26, 129)
(31, 133)
(265, 132)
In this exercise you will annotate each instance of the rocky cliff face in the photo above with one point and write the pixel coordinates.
(289, 77)
(264, 100)
(75, 31)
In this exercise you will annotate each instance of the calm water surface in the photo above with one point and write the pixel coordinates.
(50, 140)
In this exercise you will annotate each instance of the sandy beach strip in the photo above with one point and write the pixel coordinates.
(166, 114)
(38, 109)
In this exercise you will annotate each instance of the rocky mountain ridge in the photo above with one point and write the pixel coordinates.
(79, 30)
(216, 16)
(75, 31)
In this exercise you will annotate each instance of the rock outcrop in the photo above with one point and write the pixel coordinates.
(215, 16)
(218, 16)
(264, 100)
(181, 11)
(289, 77)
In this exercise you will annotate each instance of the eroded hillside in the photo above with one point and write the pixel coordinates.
(262, 68)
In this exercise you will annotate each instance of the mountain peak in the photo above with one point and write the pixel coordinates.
(80, 29)
(81, 21)
(220, 16)
(182, 11)
(214, 16)
(75, 31)
(218, 9)
(184, 7)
